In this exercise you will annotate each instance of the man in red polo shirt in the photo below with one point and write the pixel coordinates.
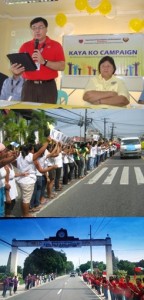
(48, 55)
(128, 288)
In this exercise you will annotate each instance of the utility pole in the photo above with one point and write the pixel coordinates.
(91, 260)
(112, 131)
(80, 124)
(87, 122)
(105, 128)
(85, 125)
(105, 122)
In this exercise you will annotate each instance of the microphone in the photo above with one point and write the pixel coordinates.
(36, 43)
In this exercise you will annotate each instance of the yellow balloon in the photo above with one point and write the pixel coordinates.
(80, 4)
(136, 24)
(61, 19)
(90, 9)
(105, 7)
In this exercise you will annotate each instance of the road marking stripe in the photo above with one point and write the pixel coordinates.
(111, 176)
(97, 176)
(59, 291)
(125, 176)
(139, 175)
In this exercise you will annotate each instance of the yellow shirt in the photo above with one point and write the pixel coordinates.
(114, 84)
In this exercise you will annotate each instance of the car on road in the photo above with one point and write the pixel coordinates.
(130, 147)
(72, 274)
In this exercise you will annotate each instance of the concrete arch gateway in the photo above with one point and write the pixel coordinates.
(62, 240)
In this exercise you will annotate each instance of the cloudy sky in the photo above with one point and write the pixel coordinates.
(126, 235)
(124, 121)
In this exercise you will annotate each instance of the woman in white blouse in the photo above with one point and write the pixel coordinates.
(25, 163)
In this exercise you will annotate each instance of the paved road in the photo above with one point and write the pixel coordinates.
(115, 188)
(64, 287)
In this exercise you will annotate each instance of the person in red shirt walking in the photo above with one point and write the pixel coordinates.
(128, 288)
(105, 287)
(111, 285)
(118, 289)
(138, 290)
(48, 55)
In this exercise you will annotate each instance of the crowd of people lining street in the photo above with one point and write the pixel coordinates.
(40, 170)
(116, 288)
(11, 284)
(35, 280)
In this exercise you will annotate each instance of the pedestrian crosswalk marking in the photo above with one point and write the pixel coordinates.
(125, 176)
(97, 176)
(124, 179)
(139, 175)
(111, 176)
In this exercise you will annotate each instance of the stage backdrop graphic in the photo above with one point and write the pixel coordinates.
(83, 53)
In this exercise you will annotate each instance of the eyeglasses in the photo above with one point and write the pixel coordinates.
(37, 28)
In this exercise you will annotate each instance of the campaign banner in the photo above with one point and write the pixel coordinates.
(58, 136)
(96, 137)
(83, 53)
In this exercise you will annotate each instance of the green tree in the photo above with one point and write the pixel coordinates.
(10, 128)
(141, 263)
(23, 128)
(126, 266)
(3, 269)
(85, 267)
(16, 128)
(100, 265)
(45, 261)
(121, 273)
(31, 138)
(39, 122)
(69, 266)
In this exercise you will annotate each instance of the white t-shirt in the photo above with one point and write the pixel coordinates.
(26, 165)
(93, 151)
(58, 160)
(70, 158)
(99, 150)
(65, 158)
(13, 190)
(49, 161)
(2, 177)
(41, 161)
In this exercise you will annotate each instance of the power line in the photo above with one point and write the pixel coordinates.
(9, 244)
(71, 112)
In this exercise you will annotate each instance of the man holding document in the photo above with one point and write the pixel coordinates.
(48, 55)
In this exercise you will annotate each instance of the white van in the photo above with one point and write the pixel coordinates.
(130, 146)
